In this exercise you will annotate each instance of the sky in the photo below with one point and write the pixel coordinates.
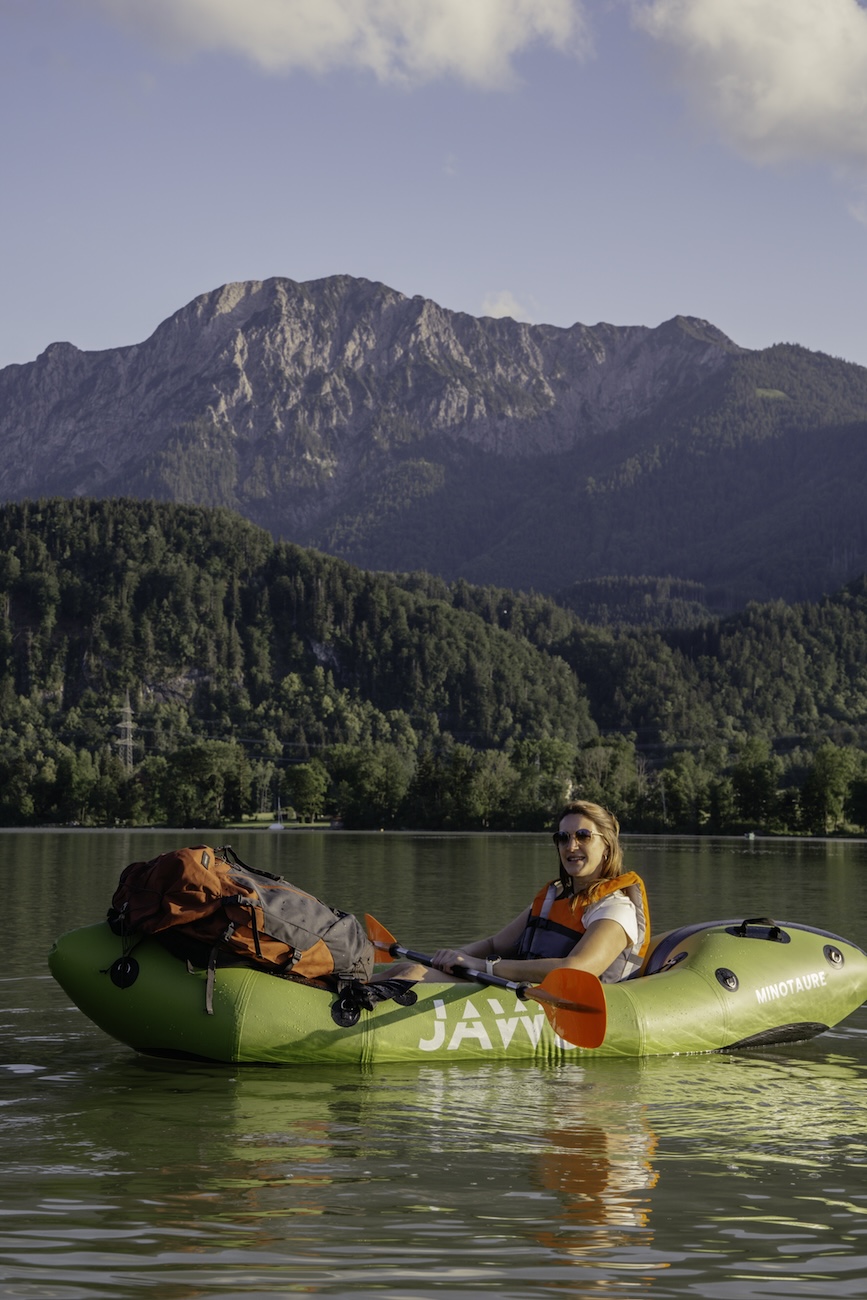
(553, 160)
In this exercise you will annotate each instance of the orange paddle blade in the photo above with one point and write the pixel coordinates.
(574, 1002)
(381, 939)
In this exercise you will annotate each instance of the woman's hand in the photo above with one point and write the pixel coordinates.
(453, 959)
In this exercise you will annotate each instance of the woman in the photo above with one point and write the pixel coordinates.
(593, 917)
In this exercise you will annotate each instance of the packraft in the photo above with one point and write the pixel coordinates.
(207, 906)
(708, 987)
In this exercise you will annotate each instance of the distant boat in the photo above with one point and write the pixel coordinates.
(278, 824)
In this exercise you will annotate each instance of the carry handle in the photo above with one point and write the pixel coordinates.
(774, 931)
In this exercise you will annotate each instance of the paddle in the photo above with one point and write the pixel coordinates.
(573, 1000)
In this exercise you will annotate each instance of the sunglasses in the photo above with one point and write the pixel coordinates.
(566, 837)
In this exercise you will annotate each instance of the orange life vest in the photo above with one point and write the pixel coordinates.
(556, 923)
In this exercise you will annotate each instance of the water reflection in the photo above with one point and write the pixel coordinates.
(656, 1177)
(599, 1175)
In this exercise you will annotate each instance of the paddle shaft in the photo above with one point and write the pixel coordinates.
(522, 990)
(581, 1023)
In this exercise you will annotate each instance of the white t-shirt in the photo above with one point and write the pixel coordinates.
(617, 907)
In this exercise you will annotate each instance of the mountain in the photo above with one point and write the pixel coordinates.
(400, 436)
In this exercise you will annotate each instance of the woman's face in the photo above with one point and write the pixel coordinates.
(582, 856)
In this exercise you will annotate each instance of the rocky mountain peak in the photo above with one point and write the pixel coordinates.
(344, 359)
(282, 399)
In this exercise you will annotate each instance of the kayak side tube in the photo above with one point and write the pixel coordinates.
(729, 984)
(709, 987)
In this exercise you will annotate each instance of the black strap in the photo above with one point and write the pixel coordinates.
(228, 854)
(255, 927)
(210, 981)
(355, 997)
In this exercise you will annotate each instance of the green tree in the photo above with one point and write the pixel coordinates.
(826, 789)
(17, 804)
(146, 793)
(755, 781)
(369, 783)
(687, 793)
(545, 769)
(305, 785)
(207, 783)
(77, 775)
(606, 773)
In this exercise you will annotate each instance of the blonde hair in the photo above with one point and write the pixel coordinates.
(609, 828)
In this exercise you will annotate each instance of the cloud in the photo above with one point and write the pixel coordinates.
(408, 41)
(504, 303)
(782, 79)
(858, 208)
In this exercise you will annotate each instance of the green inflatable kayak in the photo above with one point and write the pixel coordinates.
(704, 988)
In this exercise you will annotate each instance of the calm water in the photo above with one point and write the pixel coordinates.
(718, 1176)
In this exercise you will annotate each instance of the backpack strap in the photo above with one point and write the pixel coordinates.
(356, 997)
(210, 981)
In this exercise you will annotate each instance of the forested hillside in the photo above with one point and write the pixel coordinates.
(751, 486)
(164, 663)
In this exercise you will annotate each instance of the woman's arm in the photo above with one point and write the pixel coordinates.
(505, 940)
(470, 957)
(603, 941)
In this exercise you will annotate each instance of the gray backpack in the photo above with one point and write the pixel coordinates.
(209, 907)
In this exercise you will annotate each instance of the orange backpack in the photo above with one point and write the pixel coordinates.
(206, 904)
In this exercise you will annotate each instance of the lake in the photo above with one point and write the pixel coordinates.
(725, 1177)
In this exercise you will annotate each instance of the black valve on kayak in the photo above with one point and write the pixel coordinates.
(346, 1010)
(123, 972)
